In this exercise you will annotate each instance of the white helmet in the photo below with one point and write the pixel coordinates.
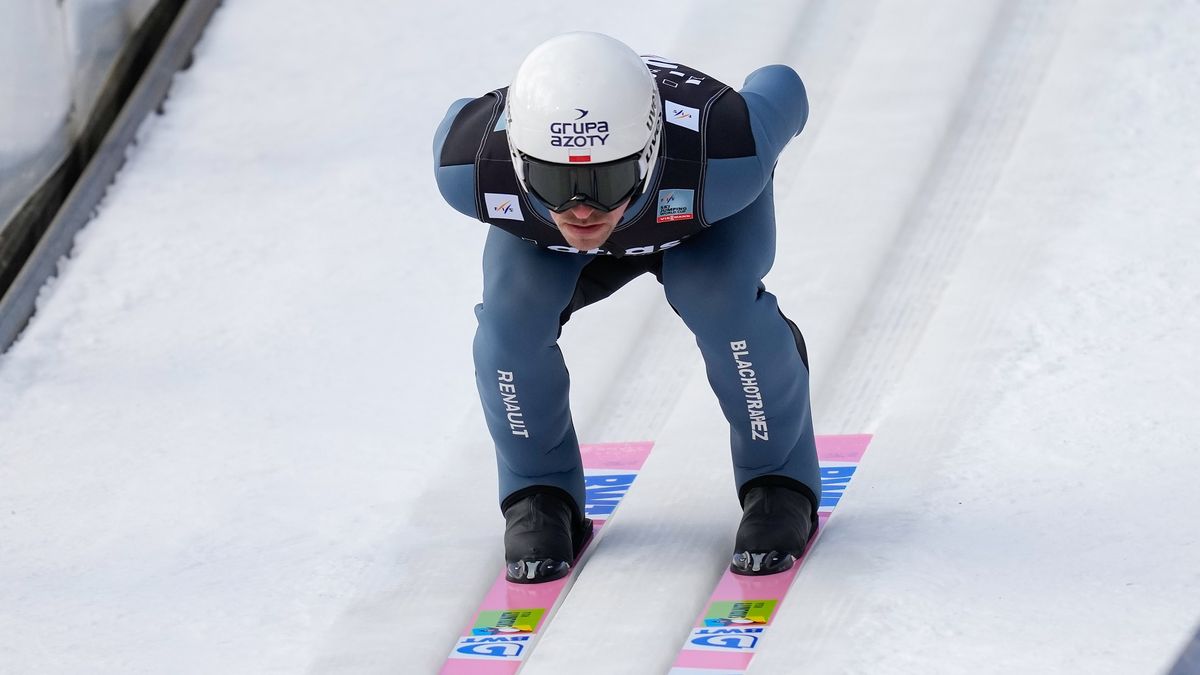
(584, 122)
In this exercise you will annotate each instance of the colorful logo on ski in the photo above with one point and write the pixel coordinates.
(491, 648)
(740, 613)
(604, 490)
(726, 639)
(835, 478)
(508, 621)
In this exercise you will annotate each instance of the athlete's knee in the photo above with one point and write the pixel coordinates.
(515, 324)
(525, 303)
(702, 300)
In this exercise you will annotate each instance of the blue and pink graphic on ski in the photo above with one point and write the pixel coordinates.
(741, 609)
(505, 628)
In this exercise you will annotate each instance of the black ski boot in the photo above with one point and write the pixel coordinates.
(777, 522)
(543, 535)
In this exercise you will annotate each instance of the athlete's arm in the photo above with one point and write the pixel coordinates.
(778, 108)
(456, 182)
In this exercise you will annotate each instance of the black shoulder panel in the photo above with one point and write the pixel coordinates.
(729, 122)
(468, 129)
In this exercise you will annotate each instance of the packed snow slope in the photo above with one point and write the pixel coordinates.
(241, 434)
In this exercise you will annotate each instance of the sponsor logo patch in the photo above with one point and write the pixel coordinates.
(675, 205)
(503, 206)
(682, 115)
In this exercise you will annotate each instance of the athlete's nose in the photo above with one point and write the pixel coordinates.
(582, 211)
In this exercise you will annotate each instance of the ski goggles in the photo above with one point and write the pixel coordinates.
(601, 186)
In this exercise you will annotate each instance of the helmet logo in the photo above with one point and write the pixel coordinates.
(582, 113)
(578, 134)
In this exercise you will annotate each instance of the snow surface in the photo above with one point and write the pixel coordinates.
(242, 436)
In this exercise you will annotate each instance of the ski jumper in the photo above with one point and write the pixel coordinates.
(705, 227)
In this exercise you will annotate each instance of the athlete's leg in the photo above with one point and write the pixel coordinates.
(754, 360)
(522, 379)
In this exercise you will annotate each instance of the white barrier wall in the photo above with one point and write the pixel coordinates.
(55, 58)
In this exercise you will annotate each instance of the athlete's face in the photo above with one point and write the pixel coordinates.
(587, 228)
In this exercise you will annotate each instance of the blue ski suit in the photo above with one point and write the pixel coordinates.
(705, 227)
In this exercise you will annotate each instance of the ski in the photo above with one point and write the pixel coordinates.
(507, 624)
(741, 608)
